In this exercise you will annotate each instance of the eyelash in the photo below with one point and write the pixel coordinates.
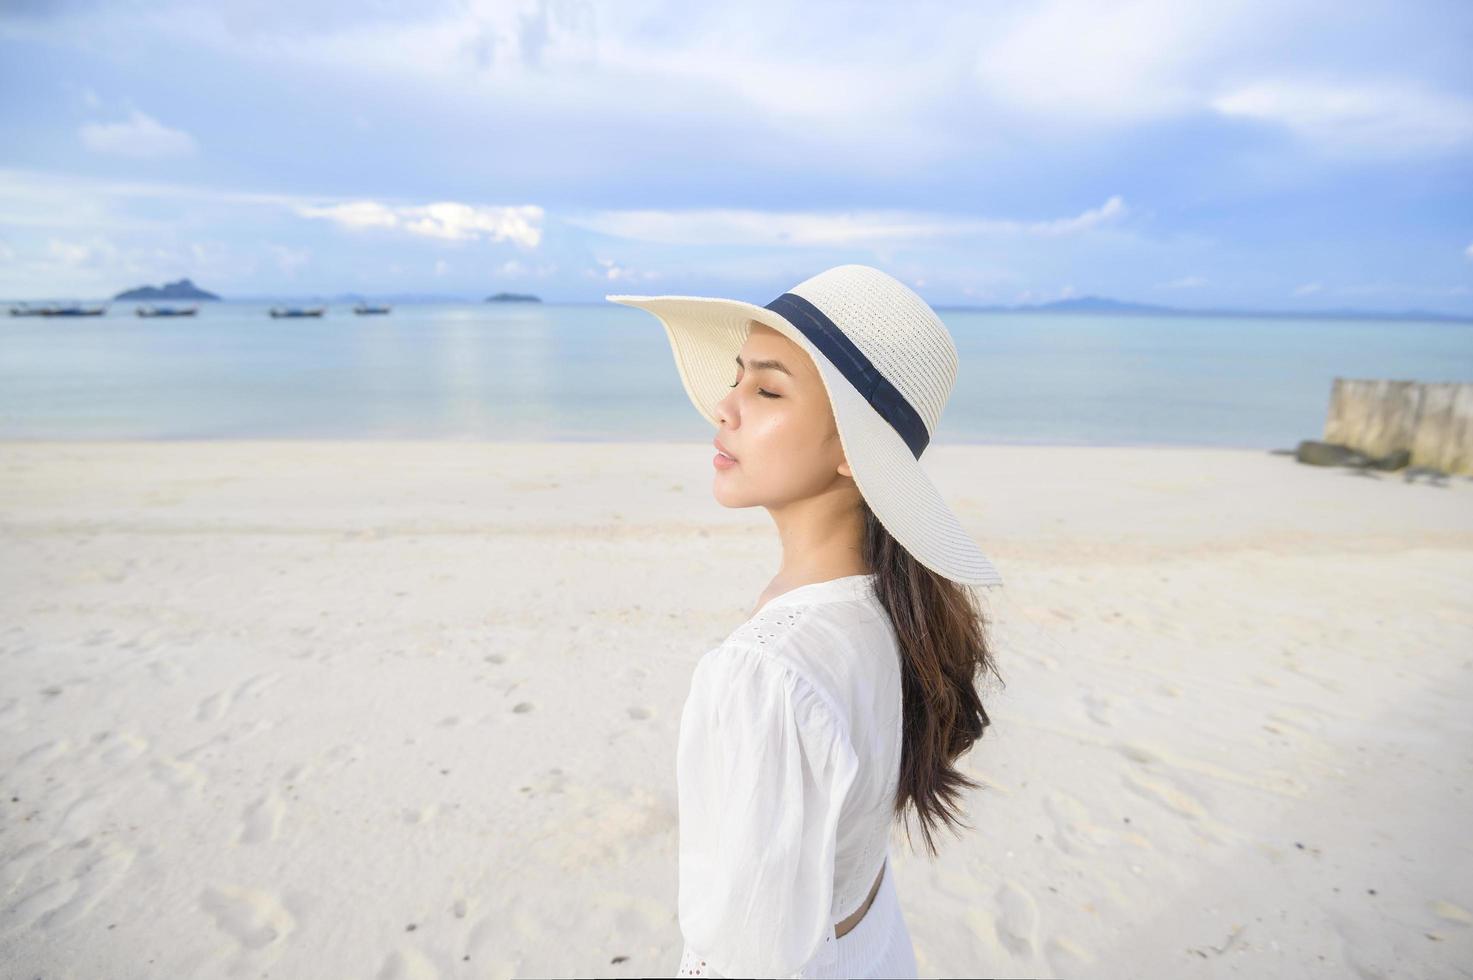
(764, 394)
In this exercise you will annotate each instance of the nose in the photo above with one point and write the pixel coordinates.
(723, 411)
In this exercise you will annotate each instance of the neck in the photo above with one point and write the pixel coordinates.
(821, 537)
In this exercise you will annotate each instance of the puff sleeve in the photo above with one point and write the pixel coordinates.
(763, 766)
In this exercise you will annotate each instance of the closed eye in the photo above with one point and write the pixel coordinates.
(764, 394)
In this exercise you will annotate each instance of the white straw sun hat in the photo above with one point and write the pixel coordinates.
(888, 363)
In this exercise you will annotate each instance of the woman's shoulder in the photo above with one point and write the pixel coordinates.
(798, 624)
(755, 686)
(817, 648)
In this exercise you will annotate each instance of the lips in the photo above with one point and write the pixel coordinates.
(722, 449)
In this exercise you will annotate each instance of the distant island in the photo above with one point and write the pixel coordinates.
(183, 289)
(1100, 304)
(512, 298)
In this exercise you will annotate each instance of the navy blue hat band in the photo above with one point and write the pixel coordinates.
(834, 344)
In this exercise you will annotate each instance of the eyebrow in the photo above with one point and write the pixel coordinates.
(764, 366)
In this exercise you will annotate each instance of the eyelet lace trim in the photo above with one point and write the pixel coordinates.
(769, 625)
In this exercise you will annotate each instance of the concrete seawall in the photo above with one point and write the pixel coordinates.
(1434, 421)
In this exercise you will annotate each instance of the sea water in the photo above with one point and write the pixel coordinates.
(600, 371)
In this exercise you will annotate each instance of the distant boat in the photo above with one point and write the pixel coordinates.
(364, 308)
(73, 310)
(167, 310)
(280, 311)
(25, 310)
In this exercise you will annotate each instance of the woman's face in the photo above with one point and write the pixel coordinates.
(778, 423)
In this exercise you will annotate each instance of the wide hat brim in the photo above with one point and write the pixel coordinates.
(707, 333)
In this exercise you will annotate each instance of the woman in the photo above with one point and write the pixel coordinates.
(849, 691)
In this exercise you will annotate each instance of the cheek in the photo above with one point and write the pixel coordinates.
(790, 446)
(776, 432)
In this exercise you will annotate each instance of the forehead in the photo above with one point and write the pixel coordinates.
(766, 343)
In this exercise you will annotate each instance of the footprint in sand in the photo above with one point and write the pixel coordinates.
(495, 937)
(604, 827)
(407, 963)
(420, 815)
(640, 714)
(1157, 787)
(1449, 912)
(339, 758)
(552, 781)
(12, 713)
(1136, 752)
(164, 671)
(1099, 708)
(86, 816)
(1161, 789)
(258, 685)
(1066, 958)
(253, 918)
(262, 820)
(1328, 683)
(1304, 720)
(58, 904)
(43, 755)
(122, 747)
(1016, 919)
(298, 774)
(1149, 780)
(183, 778)
(522, 708)
(214, 707)
(1074, 831)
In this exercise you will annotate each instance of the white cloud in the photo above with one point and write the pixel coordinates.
(1087, 60)
(356, 215)
(500, 36)
(1468, 252)
(448, 220)
(1385, 117)
(718, 226)
(1309, 289)
(58, 200)
(140, 135)
(1109, 211)
(1185, 282)
(571, 54)
(611, 271)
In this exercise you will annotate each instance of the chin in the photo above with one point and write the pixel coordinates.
(726, 496)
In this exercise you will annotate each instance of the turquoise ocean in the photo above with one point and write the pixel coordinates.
(519, 371)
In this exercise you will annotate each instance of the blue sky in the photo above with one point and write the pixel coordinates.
(1278, 155)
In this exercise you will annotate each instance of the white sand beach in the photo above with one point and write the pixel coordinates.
(352, 709)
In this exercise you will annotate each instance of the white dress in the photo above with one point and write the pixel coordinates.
(787, 766)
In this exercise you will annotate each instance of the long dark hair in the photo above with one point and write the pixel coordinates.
(944, 651)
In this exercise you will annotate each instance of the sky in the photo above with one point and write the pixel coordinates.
(1270, 155)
